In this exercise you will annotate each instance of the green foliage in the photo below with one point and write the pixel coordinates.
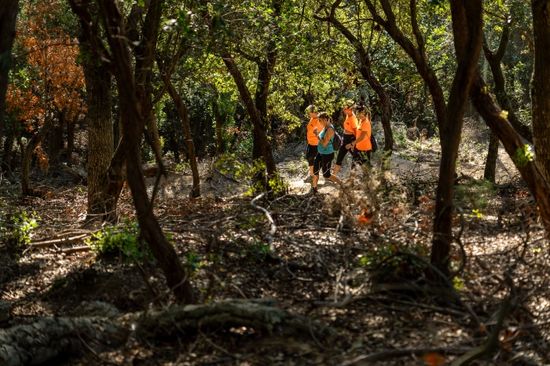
(259, 250)
(524, 155)
(247, 172)
(16, 229)
(194, 261)
(120, 240)
(474, 195)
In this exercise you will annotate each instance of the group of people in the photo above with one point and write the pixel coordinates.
(320, 137)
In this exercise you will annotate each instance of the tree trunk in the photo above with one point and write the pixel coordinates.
(54, 140)
(26, 160)
(99, 125)
(8, 17)
(515, 145)
(467, 31)
(8, 156)
(218, 118)
(492, 157)
(71, 125)
(259, 130)
(133, 124)
(186, 127)
(383, 96)
(540, 92)
(494, 60)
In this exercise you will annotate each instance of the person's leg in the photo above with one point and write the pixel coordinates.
(315, 178)
(342, 152)
(340, 158)
(311, 153)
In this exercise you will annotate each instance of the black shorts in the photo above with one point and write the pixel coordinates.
(324, 162)
(311, 153)
(343, 151)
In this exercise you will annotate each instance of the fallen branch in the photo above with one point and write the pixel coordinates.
(52, 242)
(491, 343)
(273, 228)
(82, 248)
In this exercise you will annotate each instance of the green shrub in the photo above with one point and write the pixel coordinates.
(120, 240)
(390, 264)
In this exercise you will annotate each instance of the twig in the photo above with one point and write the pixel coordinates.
(273, 228)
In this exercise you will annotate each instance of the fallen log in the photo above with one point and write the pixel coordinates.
(48, 338)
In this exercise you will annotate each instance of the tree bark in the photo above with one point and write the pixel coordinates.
(540, 92)
(26, 160)
(133, 124)
(494, 59)
(220, 148)
(71, 126)
(54, 140)
(259, 130)
(467, 31)
(100, 135)
(8, 18)
(186, 127)
(515, 145)
(492, 157)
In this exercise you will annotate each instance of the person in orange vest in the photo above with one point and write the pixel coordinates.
(312, 133)
(350, 127)
(362, 146)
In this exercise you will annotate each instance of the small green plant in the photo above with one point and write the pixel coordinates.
(122, 240)
(194, 261)
(260, 250)
(19, 227)
(458, 284)
(242, 171)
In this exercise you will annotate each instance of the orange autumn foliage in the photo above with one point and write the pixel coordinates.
(433, 359)
(55, 79)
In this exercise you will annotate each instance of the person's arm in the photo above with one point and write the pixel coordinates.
(326, 139)
(361, 137)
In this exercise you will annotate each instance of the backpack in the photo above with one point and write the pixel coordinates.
(373, 143)
(337, 141)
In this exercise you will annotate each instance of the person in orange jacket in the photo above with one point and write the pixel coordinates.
(312, 133)
(362, 145)
(350, 127)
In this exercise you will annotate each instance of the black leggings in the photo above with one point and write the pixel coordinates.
(360, 157)
(343, 151)
(323, 162)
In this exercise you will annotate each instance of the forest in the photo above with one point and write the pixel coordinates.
(274, 182)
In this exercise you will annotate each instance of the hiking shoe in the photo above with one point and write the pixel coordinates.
(314, 190)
